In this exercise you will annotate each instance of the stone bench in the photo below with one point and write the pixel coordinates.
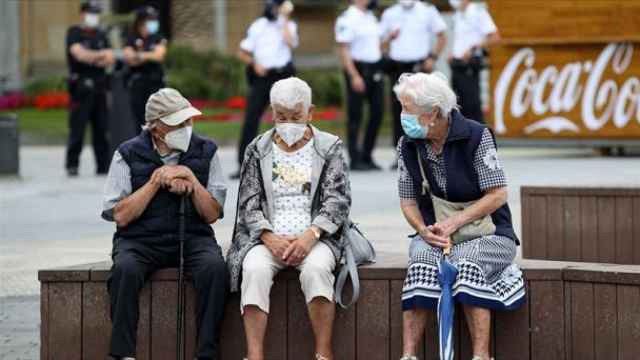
(581, 224)
(574, 311)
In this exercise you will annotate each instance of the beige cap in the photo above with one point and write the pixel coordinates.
(170, 107)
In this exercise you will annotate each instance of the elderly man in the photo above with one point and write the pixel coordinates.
(148, 176)
(294, 200)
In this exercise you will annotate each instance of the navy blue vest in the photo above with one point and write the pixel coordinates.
(159, 221)
(462, 180)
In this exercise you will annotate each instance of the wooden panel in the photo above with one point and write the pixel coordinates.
(628, 322)
(552, 91)
(372, 320)
(395, 318)
(606, 321)
(232, 339)
(190, 325)
(164, 300)
(143, 350)
(636, 230)
(565, 21)
(44, 321)
(275, 341)
(555, 228)
(547, 320)
(572, 229)
(582, 321)
(624, 230)
(431, 346)
(464, 348)
(606, 229)
(344, 329)
(525, 215)
(65, 321)
(299, 323)
(589, 221)
(96, 322)
(536, 244)
(512, 334)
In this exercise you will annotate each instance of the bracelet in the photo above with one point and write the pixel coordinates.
(433, 57)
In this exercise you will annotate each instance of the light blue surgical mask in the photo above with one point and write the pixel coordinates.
(152, 26)
(412, 127)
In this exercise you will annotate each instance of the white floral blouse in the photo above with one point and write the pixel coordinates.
(292, 189)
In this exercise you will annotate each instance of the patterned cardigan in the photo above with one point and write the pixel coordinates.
(330, 191)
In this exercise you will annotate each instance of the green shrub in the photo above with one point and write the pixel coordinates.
(41, 85)
(326, 85)
(204, 74)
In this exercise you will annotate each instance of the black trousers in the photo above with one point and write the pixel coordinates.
(257, 101)
(395, 69)
(140, 88)
(88, 104)
(135, 260)
(465, 81)
(374, 94)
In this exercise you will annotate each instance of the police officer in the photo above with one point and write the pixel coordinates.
(144, 52)
(359, 36)
(267, 52)
(88, 54)
(409, 27)
(474, 32)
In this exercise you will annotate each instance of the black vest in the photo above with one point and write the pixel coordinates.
(462, 180)
(159, 221)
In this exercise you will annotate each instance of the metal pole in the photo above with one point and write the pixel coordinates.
(220, 24)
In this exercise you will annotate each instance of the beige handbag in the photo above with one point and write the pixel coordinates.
(444, 209)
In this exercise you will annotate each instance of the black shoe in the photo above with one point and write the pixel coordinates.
(235, 175)
(72, 171)
(372, 166)
(359, 166)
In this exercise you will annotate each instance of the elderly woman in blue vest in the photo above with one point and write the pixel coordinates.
(459, 160)
(148, 176)
(294, 198)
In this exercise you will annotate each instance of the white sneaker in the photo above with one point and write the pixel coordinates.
(409, 357)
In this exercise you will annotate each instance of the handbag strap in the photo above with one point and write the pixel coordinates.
(425, 181)
(349, 269)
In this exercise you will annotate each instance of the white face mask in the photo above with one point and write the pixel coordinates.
(407, 4)
(455, 4)
(91, 20)
(291, 133)
(179, 139)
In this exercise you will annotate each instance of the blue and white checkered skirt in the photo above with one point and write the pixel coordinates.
(487, 276)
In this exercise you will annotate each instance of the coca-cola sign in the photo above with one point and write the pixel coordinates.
(567, 92)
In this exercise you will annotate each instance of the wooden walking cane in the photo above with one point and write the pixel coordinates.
(180, 317)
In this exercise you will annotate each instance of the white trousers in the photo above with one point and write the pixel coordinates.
(260, 266)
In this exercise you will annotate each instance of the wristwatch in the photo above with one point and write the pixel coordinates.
(316, 233)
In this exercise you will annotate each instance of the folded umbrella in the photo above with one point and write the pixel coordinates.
(446, 307)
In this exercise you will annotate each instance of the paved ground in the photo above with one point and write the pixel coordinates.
(48, 220)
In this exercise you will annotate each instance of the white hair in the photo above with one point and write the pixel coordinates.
(149, 125)
(290, 92)
(428, 91)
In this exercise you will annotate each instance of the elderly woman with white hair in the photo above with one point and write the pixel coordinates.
(294, 198)
(453, 192)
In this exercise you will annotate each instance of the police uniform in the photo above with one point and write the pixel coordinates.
(265, 42)
(362, 32)
(87, 85)
(471, 27)
(411, 48)
(148, 77)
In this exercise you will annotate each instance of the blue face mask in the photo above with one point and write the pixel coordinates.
(152, 26)
(412, 127)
